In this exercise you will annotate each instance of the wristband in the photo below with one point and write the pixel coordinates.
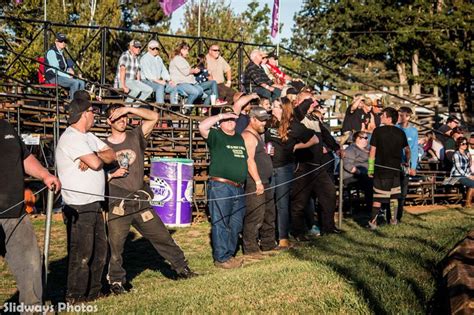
(371, 168)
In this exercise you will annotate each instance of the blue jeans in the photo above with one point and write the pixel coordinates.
(138, 89)
(160, 90)
(466, 181)
(227, 218)
(70, 83)
(210, 88)
(192, 91)
(282, 197)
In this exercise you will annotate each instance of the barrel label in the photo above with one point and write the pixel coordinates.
(162, 191)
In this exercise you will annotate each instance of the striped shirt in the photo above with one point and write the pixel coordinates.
(461, 164)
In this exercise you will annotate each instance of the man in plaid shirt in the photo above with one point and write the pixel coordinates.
(128, 74)
(256, 80)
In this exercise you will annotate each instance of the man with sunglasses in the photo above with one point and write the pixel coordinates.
(155, 74)
(80, 157)
(217, 67)
(126, 180)
(55, 60)
(446, 131)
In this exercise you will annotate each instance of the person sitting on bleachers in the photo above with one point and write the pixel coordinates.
(128, 75)
(356, 163)
(461, 170)
(256, 80)
(471, 151)
(155, 74)
(280, 77)
(55, 59)
(217, 66)
(445, 131)
(450, 148)
(204, 79)
(182, 73)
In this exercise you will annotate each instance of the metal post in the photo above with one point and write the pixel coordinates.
(49, 214)
(45, 38)
(190, 151)
(241, 59)
(103, 51)
(341, 191)
(57, 112)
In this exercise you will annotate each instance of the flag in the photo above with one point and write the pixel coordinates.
(275, 24)
(169, 6)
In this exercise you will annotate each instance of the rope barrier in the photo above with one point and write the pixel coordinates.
(19, 203)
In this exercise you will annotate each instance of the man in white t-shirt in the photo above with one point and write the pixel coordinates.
(80, 156)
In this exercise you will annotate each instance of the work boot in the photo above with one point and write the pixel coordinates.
(117, 288)
(229, 264)
(186, 273)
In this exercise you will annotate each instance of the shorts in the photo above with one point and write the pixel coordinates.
(387, 188)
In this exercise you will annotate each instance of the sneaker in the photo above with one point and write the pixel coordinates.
(229, 264)
(315, 231)
(187, 273)
(372, 225)
(117, 288)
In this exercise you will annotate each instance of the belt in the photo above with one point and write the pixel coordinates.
(225, 181)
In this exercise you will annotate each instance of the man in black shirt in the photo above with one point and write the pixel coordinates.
(127, 181)
(358, 117)
(17, 237)
(446, 130)
(256, 80)
(385, 158)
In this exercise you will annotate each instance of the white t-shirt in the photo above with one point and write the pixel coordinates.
(72, 145)
(471, 152)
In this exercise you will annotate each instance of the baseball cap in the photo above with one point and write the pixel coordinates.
(136, 44)
(76, 108)
(82, 95)
(272, 55)
(260, 113)
(60, 37)
(227, 110)
(153, 44)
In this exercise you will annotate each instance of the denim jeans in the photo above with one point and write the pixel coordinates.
(210, 88)
(87, 249)
(160, 90)
(23, 257)
(263, 92)
(137, 89)
(192, 91)
(153, 230)
(282, 175)
(70, 83)
(227, 215)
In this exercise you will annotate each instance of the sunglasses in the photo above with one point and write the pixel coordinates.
(154, 48)
(215, 49)
(463, 143)
(366, 138)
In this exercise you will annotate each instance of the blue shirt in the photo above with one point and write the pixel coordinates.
(412, 138)
(53, 62)
(153, 68)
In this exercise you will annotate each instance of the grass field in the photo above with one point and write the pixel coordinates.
(392, 270)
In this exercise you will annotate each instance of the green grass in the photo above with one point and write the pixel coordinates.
(392, 270)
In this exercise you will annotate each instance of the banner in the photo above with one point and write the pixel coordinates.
(275, 24)
(169, 6)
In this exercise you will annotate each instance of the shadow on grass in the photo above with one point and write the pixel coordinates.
(396, 269)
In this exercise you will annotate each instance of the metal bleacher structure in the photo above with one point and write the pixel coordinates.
(39, 109)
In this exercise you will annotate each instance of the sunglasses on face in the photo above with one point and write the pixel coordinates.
(154, 48)
(366, 138)
(215, 49)
(463, 143)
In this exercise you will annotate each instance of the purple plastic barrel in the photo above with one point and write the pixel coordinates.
(171, 181)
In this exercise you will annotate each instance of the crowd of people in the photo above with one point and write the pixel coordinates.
(271, 172)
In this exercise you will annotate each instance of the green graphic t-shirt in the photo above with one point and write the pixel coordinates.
(228, 156)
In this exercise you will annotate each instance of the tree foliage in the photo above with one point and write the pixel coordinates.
(353, 36)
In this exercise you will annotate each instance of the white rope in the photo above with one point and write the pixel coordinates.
(19, 203)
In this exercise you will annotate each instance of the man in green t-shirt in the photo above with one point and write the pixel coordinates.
(227, 174)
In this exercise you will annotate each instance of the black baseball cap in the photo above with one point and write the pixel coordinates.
(76, 108)
(60, 37)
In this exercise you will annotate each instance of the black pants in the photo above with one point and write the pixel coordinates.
(87, 249)
(404, 179)
(319, 184)
(259, 220)
(150, 226)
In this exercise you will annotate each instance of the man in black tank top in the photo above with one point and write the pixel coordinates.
(259, 220)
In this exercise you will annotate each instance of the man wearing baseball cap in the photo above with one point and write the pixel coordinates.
(58, 66)
(128, 75)
(80, 156)
(155, 74)
(259, 221)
